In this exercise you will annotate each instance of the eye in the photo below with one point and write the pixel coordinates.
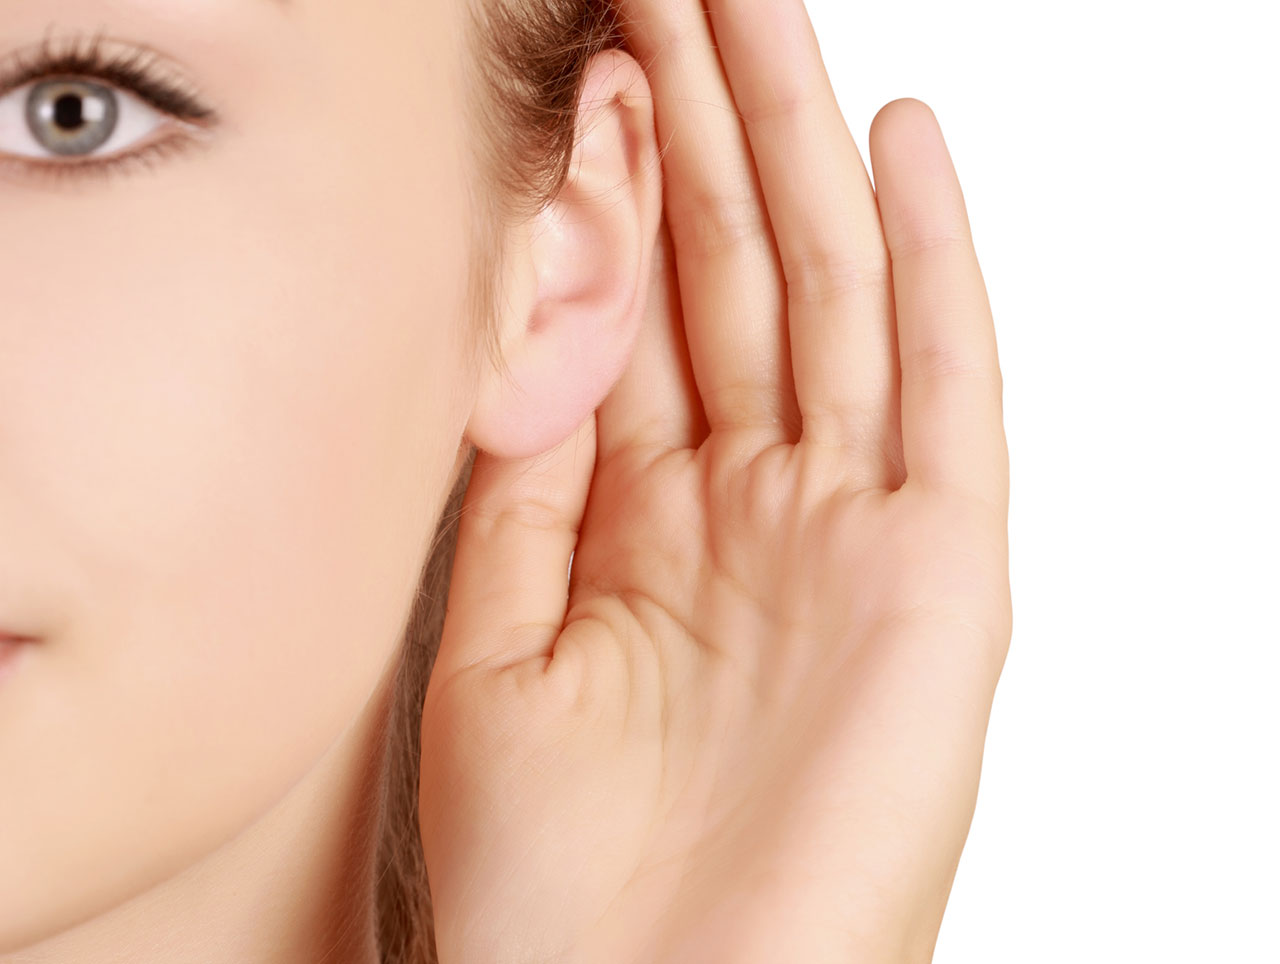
(73, 117)
(91, 106)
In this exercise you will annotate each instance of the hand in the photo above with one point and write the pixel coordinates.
(753, 731)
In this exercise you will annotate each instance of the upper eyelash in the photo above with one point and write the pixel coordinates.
(135, 69)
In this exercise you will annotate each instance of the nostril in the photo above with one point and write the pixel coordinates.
(11, 646)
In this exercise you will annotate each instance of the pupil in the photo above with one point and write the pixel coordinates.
(67, 111)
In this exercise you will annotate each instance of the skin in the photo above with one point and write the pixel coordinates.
(751, 729)
(235, 390)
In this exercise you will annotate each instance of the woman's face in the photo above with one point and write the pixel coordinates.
(232, 390)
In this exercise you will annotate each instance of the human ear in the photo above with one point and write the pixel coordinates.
(579, 275)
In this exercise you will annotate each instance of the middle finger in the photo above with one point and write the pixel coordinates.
(730, 274)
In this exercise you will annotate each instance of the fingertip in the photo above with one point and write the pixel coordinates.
(907, 146)
(907, 107)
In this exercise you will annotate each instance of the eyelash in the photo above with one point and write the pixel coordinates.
(135, 71)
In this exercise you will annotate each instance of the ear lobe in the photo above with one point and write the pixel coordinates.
(578, 284)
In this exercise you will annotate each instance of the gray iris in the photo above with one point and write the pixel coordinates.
(71, 116)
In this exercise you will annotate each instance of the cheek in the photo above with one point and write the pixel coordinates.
(231, 435)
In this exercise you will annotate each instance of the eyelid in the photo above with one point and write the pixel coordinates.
(135, 67)
(74, 173)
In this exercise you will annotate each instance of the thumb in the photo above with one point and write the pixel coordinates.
(510, 584)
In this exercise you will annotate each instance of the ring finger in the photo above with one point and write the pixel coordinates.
(828, 231)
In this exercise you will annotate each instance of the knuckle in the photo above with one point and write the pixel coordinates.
(783, 104)
(533, 514)
(819, 277)
(713, 223)
(937, 361)
(920, 243)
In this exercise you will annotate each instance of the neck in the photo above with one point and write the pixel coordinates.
(296, 887)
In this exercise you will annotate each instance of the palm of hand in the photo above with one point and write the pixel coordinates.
(714, 745)
(754, 729)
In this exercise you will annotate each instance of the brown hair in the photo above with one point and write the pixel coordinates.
(526, 66)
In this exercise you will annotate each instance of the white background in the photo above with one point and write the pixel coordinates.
(1119, 164)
